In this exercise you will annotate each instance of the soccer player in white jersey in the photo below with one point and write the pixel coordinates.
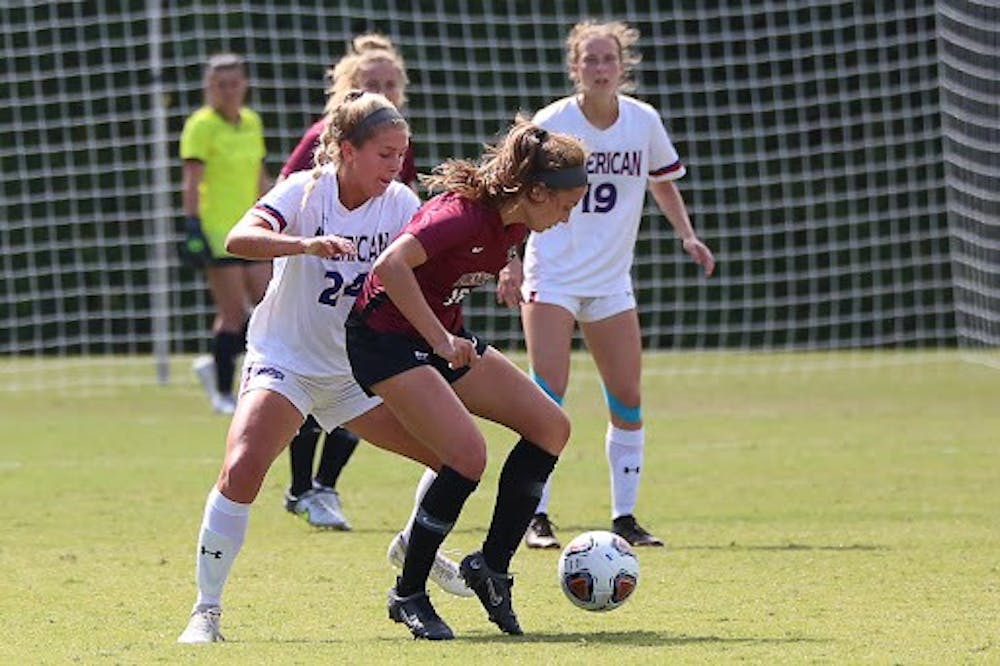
(580, 271)
(323, 228)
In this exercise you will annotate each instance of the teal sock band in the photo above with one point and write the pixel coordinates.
(558, 399)
(630, 414)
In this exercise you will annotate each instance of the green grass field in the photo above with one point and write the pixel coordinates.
(825, 515)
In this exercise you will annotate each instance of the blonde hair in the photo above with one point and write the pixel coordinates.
(222, 62)
(344, 123)
(510, 167)
(626, 37)
(366, 48)
(225, 61)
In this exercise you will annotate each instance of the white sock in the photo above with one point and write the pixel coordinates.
(223, 529)
(624, 449)
(418, 496)
(543, 502)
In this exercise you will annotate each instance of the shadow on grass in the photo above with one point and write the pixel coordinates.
(623, 638)
(785, 546)
(732, 546)
(642, 638)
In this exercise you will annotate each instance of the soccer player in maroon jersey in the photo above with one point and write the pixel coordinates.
(407, 344)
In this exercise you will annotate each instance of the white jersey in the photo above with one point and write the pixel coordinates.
(591, 255)
(299, 324)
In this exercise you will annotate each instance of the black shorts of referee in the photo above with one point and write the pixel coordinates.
(376, 356)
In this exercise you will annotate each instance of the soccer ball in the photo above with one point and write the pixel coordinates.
(598, 571)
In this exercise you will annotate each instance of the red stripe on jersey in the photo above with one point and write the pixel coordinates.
(670, 168)
(272, 215)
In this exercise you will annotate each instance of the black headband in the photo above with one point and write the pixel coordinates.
(376, 117)
(565, 178)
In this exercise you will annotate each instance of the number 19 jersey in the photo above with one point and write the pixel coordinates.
(299, 324)
(592, 254)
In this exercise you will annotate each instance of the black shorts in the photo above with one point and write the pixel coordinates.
(377, 356)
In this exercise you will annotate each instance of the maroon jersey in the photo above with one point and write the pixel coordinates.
(466, 244)
(302, 156)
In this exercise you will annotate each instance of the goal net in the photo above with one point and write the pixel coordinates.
(969, 57)
(842, 162)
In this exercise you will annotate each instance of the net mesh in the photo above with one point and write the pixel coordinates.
(969, 36)
(842, 162)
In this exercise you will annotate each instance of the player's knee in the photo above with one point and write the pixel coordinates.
(561, 428)
(242, 475)
(553, 431)
(232, 323)
(469, 461)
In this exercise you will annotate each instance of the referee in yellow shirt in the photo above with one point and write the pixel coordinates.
(223, 149)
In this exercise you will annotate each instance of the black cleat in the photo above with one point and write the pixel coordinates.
(493, 590)
(539, 533)
(417, 613)
(627, 528)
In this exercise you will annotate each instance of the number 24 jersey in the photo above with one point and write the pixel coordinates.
(299, 323)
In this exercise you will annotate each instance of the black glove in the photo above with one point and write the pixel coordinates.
(194, 251)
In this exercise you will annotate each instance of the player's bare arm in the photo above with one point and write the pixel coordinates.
(394, 268)
(253, 238)
(671, 203)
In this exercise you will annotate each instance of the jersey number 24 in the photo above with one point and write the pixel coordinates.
(330, 295)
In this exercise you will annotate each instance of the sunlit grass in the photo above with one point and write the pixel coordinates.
(839, 513)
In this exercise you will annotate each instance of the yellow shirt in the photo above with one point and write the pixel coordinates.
(233, 155)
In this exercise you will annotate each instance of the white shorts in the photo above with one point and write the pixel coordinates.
(333, 401)
(584, 308)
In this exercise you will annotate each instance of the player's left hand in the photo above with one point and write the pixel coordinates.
(700, 254)
(509, 283)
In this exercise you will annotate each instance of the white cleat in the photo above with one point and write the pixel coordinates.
(223, 403)
(320, 506)
(203, 626)
(444, 571)
(204, 368)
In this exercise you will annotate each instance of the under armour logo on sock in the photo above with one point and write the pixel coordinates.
(628, 469)
(217, 554)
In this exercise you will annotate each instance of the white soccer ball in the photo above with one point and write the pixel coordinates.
(598, 571)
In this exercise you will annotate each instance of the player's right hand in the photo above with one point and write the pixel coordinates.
(327, 247)
(458, 351)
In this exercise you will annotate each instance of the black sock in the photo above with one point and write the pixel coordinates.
(301, 452)
(437, 514)
(226, 346)
(520, 487)
(337, 450)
